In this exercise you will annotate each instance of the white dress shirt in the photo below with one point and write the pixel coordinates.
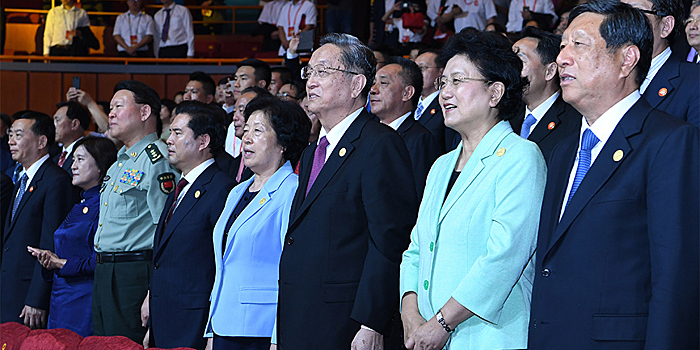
(334, 136)
(233, 144)
(191, 177)
(541, 110)
(180, 30)
(475, 13)
(602, 129)
(59, 21)
(31, 171)
(515, 16)
(656, 64)
(290, 18)
(270, 13)
(139, 26)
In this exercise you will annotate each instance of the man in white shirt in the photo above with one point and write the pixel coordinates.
(393, 97)
(133, 31)
(671, 84)
(617, 251)
(71, 120)
(62, 25)
(295, 17)
(174, 30)
(473, 13)
(547, 119)
(522, 11)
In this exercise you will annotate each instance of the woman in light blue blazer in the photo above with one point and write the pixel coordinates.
(469, 268)
(249, 235)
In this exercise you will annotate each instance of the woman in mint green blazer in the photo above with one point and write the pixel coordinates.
(470, 265)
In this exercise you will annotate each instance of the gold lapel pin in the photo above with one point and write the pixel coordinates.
(133, 154)
(617, 156)
(501, 151)
(197, 194)
(262, 201)
(342, 152)
(85, 210)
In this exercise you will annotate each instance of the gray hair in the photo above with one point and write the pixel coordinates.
(355, 56)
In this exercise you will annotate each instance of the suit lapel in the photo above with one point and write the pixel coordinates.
(427, 114)
(604, 166)
(334, 162)
(552, 116)
(158, 238)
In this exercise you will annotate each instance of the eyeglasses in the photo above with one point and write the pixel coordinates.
(691, 20)
(321, 71)
(285, 95)
(456, 79)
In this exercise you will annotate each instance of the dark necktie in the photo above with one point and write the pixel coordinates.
(62, 159)
(166, 25)
(588, 141)
(530, 120)
(20, 193)
(319, 160)
(178, 189)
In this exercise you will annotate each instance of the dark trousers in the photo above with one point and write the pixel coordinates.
(241, 343)
(67, 50)
(178, 51)
(118, 292)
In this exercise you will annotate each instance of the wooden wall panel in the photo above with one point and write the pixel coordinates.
(45, 91)
(105, 85)
(13, 91)
(156, 81)
(176, 82)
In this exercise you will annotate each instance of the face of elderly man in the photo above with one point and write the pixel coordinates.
(331, 90)
(588, 71)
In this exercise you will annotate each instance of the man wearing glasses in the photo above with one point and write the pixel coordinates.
(671, 84)
(352, 214)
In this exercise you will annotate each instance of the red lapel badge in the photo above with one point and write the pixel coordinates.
(663, 92)
(551, 125)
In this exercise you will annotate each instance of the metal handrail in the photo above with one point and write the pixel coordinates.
(135, 60)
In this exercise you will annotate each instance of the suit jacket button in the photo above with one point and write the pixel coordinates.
(156, 266)
(290, 240)
(545, 272)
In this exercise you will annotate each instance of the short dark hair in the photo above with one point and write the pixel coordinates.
(102, 149)
(286, 75)
(143, 94)
(76, 111)
(257, 90)
(671, 8)
(410, 74)
(623, 24)
(291, 124)
(299, 86)
(547, 44)
(434, 51)
(169, 104)
(6, 120)
(43, 125)
(355, 56)
(206, 119)
(493, 56)
(206, 81)
(261, 69)
(224, 80)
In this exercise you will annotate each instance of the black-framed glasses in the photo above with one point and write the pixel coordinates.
(454, 80)
(321, 71)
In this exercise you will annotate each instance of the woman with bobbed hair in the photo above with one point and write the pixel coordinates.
(249, 236)
(73, 264)
(469, 267)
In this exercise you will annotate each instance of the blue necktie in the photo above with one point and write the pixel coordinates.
(20, 193)
(530, 120)
(18, 171)
(588, 141)
(419, 110)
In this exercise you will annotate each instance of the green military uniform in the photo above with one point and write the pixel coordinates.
(132, 199)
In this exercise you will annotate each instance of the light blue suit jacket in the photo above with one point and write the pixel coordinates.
(478, 244)
(244, 296)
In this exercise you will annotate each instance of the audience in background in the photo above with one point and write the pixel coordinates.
(63, 33)
(71, 121)
(692, 32)
(174, 31)
(134, 31)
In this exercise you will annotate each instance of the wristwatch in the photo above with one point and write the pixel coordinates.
(441, 320)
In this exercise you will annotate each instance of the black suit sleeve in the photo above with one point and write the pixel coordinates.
(391, 208)
(59, 200)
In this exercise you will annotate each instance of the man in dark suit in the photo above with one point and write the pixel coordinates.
(180, 287)
(428, 111)
(547, 119)
(671, 85)
(71, 120)
(617, 251)
(393, 97)
(42, 198)
(351, 216)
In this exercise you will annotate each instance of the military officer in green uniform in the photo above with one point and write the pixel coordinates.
(132, 198)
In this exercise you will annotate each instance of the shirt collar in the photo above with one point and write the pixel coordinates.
(605, 125)
(542, 109)
(192, 176)
(69, 149)
(656, 64)
(137, 148)
(396, 123)
(428, 100)
(333, 136)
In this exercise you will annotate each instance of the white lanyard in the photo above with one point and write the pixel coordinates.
(138, 23)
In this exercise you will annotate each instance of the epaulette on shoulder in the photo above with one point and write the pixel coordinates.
(153, 153)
